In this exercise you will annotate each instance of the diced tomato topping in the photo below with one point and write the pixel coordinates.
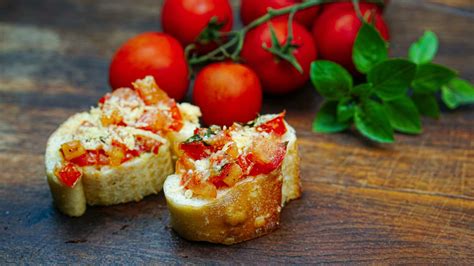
(266, 157)
(154, 120)
(69, 174)
(102, 158)
(275, 125)
(116, 155)
(149, 91)
(130, 154)
(232, 151)
(146, 144)
(72, 149)
(183, 164)
(85, 160)
(189, 180)
(219, 140)
(104, 98)
(177, 120)
(197, 150)
(114, 119)
(229, 175)
(92, 157)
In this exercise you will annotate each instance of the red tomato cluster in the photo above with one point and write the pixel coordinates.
(232, 92)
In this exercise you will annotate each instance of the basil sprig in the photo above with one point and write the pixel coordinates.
(397, 91)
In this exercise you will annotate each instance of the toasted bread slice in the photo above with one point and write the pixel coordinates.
(104, 185)
(246, 209)
(120, 151)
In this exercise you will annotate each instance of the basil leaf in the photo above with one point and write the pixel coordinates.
(391, 78)
(345, 110)
(369, 48)
(430, 77)
(362, 90)
(330, 79)
(457, 92)
(326, 119)
(194, 138)
(403, 115)
(424, 50)
(372, 121)
(426, 104)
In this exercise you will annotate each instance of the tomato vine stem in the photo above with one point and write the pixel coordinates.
(231, 49)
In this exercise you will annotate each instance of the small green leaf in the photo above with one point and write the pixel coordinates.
(330, 79)
(403, 115)
(211, 32)
(426, 104)
(391, 78)
(457, 92)
(362, 90)
(326, 119)
(372, 121)
(430, 77)
(424, 50)
(345, 110)
(369, 48)
(273, 36)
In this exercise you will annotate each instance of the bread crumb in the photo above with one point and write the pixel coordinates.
(260, 221)
(235, 217)
(188, 193)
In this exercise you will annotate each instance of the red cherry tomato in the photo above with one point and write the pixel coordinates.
(335, 30)
(253, 9)
(276, 75)
(186, 19)
(227, 93)
(151, 53)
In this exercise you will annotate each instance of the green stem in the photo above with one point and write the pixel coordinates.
(355, 3)
(238, 39)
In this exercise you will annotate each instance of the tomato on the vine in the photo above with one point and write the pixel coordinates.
(226, 93)
(186, 19)
(335, 31)
(278, 76)
(151, 53)
(253, 9)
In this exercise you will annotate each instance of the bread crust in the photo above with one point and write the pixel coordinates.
(246, 211)
(291, 173)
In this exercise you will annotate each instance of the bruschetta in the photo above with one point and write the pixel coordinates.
(120, 151)
(230, 184)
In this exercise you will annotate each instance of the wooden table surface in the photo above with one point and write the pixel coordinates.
(408, 202)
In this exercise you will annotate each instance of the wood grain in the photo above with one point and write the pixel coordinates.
(412, 202)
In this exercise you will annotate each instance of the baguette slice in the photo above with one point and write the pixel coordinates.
(248, 209)
(106, 185)
(122, 115)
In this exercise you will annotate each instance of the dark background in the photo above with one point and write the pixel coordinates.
(408, 202)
